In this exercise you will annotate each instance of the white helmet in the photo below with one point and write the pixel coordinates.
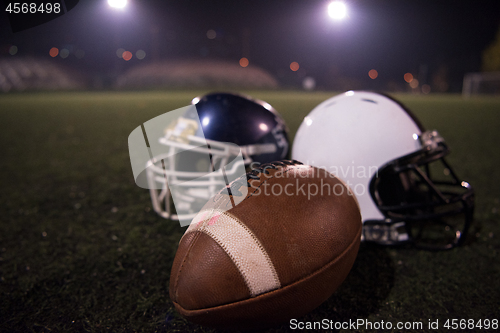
(382, 152)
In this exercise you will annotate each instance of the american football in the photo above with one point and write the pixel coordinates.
(278, 253)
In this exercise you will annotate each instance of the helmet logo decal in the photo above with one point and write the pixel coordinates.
(182, 129)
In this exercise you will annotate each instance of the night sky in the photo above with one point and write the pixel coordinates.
(391, 36)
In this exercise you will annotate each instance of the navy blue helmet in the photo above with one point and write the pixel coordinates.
(209, 145)
(253, 125)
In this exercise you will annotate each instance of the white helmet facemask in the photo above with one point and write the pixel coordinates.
(182, 169)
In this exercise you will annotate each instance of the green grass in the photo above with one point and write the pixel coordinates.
(81, 250)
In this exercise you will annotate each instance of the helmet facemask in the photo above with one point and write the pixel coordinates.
(191, 172)
(186, 156)
(422, 199)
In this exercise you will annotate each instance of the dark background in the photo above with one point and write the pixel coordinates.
(426, 38)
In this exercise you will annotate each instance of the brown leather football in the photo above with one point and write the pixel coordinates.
(274, 249)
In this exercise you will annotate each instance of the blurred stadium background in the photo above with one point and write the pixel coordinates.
(29, 73)
(392, 48)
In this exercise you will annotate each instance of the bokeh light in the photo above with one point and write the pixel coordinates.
(426, 89)
(337, 10)
(408, 77)
(127, 55)
(309, 83)
(13, 50)
(373, 74)
(140, 54)
(294, 66)
(119, 52)
(211, 34)
(54, 52)
(244, 62)
(64, 53)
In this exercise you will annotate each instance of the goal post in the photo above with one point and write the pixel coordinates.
(481, 83)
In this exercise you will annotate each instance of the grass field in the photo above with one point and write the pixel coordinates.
(81, 250)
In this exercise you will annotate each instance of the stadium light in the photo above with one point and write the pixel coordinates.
(120, 4)
(337, 10)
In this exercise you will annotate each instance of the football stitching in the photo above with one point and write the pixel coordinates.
(251, 284)
(262, 249)
(325, 267)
